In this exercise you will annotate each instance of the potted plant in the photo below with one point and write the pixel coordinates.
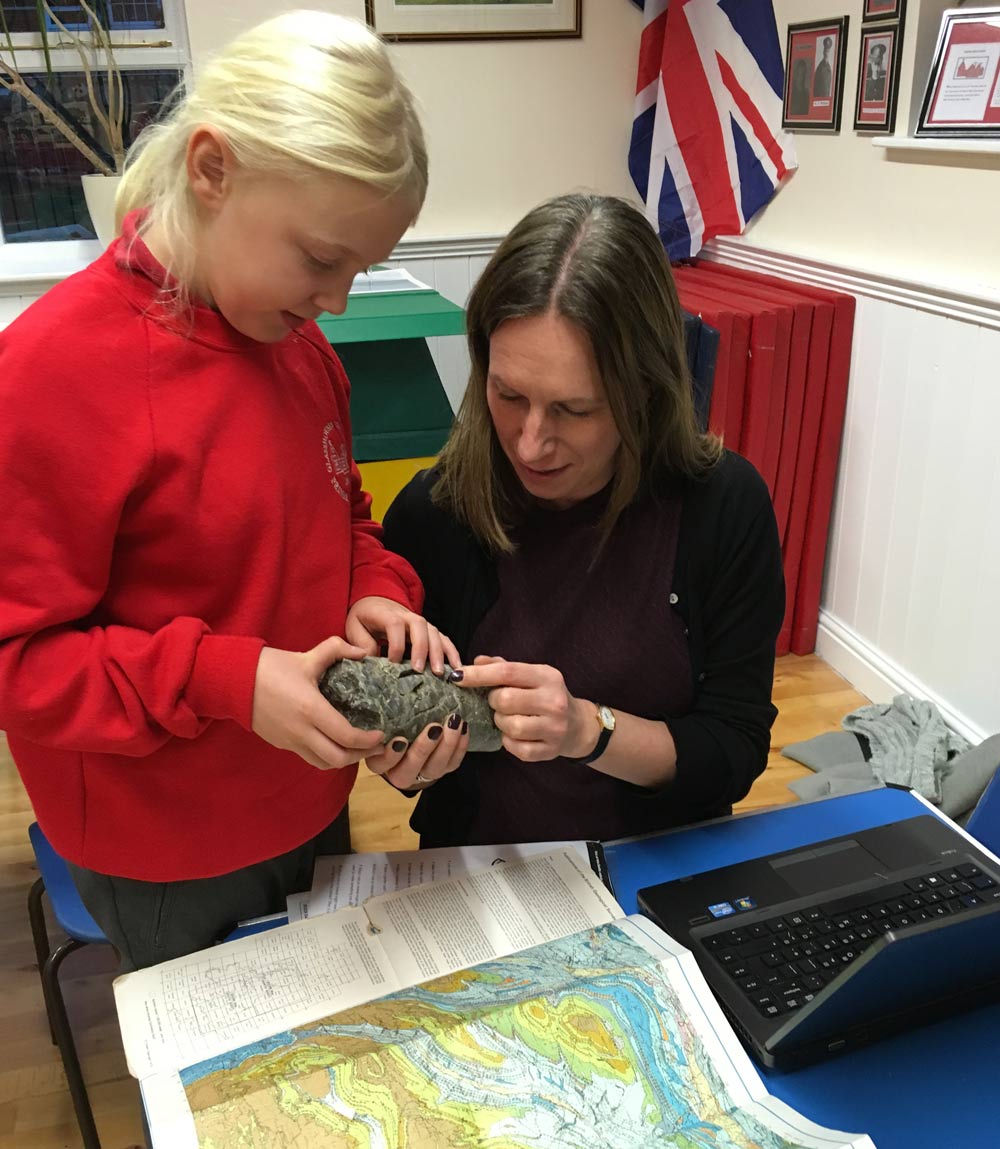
(103, 145)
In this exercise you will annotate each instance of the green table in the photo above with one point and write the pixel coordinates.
(399, 409)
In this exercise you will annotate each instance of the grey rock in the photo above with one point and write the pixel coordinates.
(376, 694)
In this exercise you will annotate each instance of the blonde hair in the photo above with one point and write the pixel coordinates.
(303, 94)
(595, 261)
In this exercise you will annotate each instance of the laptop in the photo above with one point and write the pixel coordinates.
(816, 951)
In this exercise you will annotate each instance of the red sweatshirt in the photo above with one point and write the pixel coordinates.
(177, 496)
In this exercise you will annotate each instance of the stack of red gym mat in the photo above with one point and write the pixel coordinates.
(778, 398)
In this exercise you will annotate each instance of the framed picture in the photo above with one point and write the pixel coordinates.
(878, 78)
(814, 75)
(474, 19)
(963, 88)
(882, 10)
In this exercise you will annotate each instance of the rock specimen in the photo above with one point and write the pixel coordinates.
(376, 694)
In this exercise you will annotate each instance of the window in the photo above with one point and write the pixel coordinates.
(41, 199)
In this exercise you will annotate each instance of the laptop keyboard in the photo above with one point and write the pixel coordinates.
(781, 963)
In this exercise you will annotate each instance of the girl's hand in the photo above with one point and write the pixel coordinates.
(290, 713)
(437, 751)
(538, 716)
(373, 621)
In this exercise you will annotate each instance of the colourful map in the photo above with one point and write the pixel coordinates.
(580, 1042)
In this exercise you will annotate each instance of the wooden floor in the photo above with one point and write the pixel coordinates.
(35, 1109)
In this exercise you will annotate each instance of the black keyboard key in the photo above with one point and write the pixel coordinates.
(983, 882)
(917, 885)
(766, 1003)
(968, 870)
(951, 875)
(758, 946)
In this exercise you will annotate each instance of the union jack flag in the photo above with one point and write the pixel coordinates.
(707, 147)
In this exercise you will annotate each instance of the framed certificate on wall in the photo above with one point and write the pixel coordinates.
(963, 89)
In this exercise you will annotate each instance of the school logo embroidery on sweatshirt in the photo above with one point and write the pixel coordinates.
(338, 465)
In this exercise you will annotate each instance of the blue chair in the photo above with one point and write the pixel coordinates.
(81, 930)
(984, 821)
(702, 344)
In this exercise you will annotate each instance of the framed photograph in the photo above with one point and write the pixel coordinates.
(814, 75)
(878, 78)
(882, 10)
(474, 19)
(963, 88)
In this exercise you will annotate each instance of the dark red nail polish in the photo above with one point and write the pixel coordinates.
(454, 721)
(398, 745)
(465, 729)
(456, 676)
(434, 732)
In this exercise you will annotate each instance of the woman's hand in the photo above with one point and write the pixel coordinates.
(372, 621)
(538, 716)
(436, 751)
(290, 713)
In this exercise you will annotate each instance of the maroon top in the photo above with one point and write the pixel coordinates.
(629, 652)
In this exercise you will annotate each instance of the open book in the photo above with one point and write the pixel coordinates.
(511, 1005)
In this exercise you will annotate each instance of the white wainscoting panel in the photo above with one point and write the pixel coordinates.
(12, 305)
(913, 565)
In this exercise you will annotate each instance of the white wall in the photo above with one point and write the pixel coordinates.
(509, 123)
(929, 218)
(909, 600)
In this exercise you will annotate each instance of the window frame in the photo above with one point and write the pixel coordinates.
(28, 267)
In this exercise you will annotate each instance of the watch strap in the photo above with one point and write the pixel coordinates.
(607, 729)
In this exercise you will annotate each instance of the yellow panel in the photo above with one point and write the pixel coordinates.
(385, 478)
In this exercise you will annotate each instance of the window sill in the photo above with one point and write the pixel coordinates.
(932, 144)
(31, 268)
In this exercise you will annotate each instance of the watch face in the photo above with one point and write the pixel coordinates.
(607, 717)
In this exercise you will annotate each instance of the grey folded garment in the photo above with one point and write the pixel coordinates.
(968, 775)
(826, 750)
(910, 743)
(845, 778)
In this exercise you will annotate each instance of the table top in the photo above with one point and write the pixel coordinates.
(393, 315)
(927, 1088)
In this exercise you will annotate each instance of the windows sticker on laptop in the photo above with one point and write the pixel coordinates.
(721, 910)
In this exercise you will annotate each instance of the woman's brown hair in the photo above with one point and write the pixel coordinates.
(595, 261)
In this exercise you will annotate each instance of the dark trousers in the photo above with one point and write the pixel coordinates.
(151, 922)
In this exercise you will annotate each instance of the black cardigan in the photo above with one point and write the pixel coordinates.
(727, 587)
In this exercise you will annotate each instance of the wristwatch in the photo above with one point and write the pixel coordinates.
(606, 718)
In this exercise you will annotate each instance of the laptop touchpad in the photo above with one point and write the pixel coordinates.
(818, 870)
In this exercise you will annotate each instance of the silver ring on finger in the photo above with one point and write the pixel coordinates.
(421, 779)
